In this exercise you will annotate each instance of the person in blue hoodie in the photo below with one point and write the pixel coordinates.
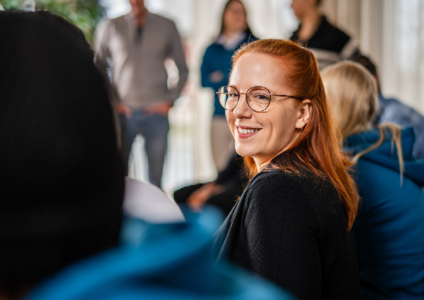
(215, 72)
(62, 188)
(389, 228)
(393, 111)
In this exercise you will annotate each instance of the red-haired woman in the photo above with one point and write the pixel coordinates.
(292, 223)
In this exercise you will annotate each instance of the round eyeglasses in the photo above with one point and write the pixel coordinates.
(258, 97)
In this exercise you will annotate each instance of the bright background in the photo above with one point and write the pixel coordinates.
(391, 32)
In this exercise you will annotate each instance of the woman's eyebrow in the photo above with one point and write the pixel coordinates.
(235, 86)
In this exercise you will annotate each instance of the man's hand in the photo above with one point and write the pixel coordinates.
(161, 108)
(122, 109)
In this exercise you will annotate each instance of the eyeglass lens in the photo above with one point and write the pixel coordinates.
(258, 98)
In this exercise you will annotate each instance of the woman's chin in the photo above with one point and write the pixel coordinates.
(242, 151)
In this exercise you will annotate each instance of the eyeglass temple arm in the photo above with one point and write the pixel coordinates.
(287, 96)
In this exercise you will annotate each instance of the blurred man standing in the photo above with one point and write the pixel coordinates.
(135, 47)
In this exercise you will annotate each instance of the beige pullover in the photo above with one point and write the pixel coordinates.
(137, 58)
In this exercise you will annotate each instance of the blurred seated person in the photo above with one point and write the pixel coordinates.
(391, 110)
(389, 228)
(62, 188)
(328, 43)
(221, 193)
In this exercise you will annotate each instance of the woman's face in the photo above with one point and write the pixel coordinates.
(263, 135)
(235, 17)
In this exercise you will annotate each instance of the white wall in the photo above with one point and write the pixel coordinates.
(391, 32)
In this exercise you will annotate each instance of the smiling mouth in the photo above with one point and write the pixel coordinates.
(247, 132)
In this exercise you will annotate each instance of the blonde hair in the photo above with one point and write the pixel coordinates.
(352, 95)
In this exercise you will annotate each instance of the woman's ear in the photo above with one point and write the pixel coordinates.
(304, 112)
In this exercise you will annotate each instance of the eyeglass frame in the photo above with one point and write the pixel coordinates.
(247, 92)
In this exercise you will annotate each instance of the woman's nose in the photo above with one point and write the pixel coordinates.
(242, 109)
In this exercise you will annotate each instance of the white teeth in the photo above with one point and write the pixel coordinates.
(247, 131)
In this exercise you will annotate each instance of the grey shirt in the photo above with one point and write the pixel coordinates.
(137, 59)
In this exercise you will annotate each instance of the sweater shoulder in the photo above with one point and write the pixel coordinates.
(278, 188)
(116, 25)
(283, 189)
(117, 21)
(162, 20)
(278, 179)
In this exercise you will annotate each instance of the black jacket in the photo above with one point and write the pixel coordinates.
(329, 44)
(292, 230)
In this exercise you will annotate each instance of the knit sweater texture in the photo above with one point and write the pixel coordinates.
(292, 230)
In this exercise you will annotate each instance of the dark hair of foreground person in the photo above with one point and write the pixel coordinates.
(61, 176)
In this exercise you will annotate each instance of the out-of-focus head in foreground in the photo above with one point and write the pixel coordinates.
(61, 176)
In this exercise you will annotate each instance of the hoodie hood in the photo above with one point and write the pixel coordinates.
(386, 155)
(160, 262)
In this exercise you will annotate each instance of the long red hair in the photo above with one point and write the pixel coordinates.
(318, 148)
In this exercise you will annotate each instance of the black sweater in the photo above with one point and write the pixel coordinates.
(327, 37)
(292, 230)
(329, 44)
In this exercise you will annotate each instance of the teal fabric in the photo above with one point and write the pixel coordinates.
(389, 229)
(172, 261)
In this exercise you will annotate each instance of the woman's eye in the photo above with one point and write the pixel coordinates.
(232, 95)
(261, 97)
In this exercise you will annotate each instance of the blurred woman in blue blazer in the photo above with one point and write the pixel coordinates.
(215, 71)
